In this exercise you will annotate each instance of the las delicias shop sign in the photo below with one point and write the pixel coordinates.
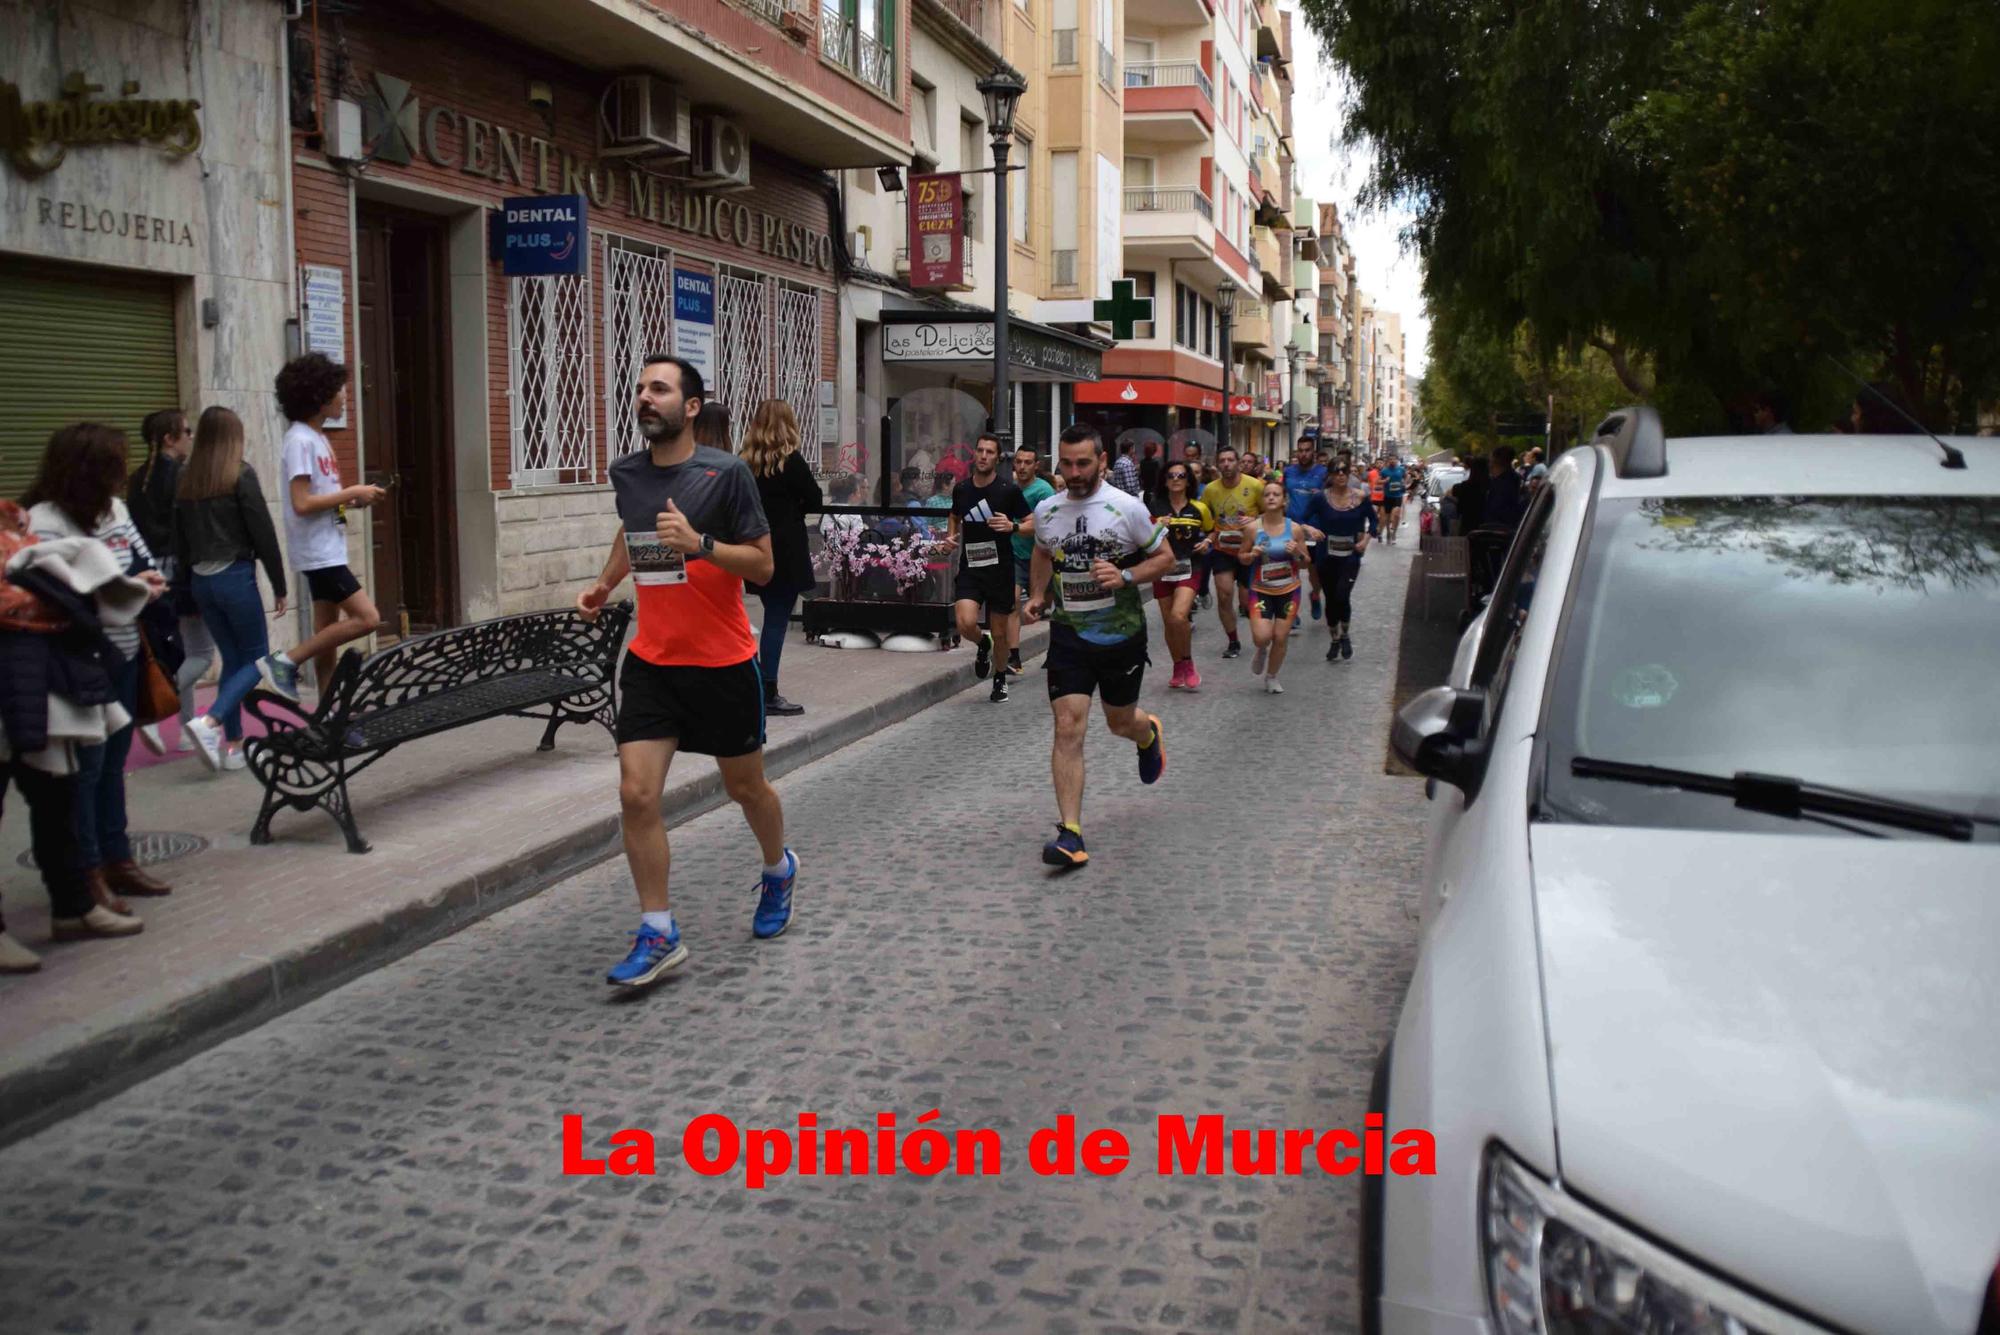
(509, 157)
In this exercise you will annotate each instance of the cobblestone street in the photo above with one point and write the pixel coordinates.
(387, 1158)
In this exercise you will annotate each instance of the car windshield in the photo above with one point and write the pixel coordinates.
(1847, 641)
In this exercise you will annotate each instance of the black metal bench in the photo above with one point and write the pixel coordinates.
(540, 665)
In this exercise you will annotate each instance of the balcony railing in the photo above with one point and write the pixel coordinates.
(1169, 74)
(1065, 47)
(1065, 268)
(842, 41)
(1168, 199)
(1107, 66)
(773, 11)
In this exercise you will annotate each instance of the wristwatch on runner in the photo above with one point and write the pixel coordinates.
(708, 544)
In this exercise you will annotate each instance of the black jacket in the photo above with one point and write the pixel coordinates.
(788, 497)
(150, 497)
(235, 526)
(75, 664)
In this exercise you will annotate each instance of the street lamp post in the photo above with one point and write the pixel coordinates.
(1225, 306)
(1002, 89)
(1292, 399)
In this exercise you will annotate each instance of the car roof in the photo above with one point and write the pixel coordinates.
(1816, 466)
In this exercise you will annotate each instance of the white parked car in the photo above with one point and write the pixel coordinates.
(1705, 1017)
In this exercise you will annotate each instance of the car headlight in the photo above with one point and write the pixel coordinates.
(1556, 1267)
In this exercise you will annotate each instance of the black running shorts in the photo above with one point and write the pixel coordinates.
(331, 584)
(990, 586)
(1112, 671)
(712, 711)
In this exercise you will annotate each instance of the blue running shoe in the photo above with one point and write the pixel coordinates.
(774, 903)
(1066, 850)
(654, 955)
(1153, 755)
(1316, 608)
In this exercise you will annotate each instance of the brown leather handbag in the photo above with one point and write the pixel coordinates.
(157, 697)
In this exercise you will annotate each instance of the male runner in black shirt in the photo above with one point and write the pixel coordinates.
(986, 510)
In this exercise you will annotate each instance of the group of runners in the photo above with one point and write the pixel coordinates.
(1082, 553)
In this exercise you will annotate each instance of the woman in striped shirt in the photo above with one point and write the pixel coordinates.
(77, 495)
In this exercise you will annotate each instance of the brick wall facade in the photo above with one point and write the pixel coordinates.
(478, 141)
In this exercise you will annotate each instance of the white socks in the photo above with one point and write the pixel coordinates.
(661, 922)
(782, 867)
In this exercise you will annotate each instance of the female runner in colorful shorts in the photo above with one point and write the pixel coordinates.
(1278, 547)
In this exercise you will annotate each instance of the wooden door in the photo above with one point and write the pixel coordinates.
(373, 231)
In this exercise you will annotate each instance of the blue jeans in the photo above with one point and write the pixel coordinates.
(100, 783)
(778, 603)
(234, 613)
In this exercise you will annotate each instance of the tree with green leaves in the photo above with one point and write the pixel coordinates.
(1715, 195)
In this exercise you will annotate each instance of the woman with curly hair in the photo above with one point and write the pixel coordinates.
(789, 491)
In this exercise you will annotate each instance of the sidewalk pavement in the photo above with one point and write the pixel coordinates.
(462, 824)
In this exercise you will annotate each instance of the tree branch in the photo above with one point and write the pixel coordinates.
(1628, 375)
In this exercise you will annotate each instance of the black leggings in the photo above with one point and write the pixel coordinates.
(1336, 577)
(52, 832)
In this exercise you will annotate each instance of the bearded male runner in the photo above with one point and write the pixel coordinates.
(691, 530)
(1100, 548)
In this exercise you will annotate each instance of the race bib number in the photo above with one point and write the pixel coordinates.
(978, 554)
(1081, 594)
(1183, 568)
(653, 562)
(1229, 539)
(1276, 574)
(1338, 544)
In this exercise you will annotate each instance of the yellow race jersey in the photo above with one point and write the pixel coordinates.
(1232, 505)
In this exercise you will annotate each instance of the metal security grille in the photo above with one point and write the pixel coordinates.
(742, 348)
(638, 319)
(551, 387)
(799, 330)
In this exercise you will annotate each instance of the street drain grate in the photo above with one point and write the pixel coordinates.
(149, 850)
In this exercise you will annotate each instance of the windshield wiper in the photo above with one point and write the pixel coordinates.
(1776, 795)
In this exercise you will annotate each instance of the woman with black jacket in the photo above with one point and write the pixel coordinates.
(222, 532)
(149, 495)
(789, 491)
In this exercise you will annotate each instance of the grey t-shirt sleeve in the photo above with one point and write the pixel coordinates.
(746, 505)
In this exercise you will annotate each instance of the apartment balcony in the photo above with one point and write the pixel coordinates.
(1268, 41)
(782, 69)
(1253, 326)
(1305, 219)
(1168, 102)
(1170, 222)
(1305, 280)
(1169, 14)
(1268, 256)
(1265, 167)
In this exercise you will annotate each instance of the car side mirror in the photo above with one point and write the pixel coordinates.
(1437, 735)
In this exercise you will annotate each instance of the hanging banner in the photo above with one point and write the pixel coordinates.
(694, 321)
(937, 231)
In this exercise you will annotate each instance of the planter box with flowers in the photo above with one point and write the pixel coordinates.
(880, 572)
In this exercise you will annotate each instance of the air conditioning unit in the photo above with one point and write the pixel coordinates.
(642, 115)
(721, 154)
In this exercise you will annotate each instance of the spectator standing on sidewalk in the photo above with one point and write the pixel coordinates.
(38, 734)
(312, 389)
(222, 531)
(150, 497)
(788, 490)
(712, 427)
(1125, 473)
(76, 495)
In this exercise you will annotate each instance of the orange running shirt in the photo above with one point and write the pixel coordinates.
(690, 610)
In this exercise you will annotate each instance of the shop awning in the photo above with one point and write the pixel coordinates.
(962, 340)
(1138, 390)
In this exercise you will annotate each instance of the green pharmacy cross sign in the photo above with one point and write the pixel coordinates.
(1125, 309)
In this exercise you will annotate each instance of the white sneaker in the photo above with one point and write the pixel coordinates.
(235, 759)
(149, 737)
(207, 736)
(1257, 662)
(15, 957)
(99, 921)
(1271, 686)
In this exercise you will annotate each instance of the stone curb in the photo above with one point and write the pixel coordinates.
(125, 1050)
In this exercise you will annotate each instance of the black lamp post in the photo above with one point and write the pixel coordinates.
(1225, 306)
(1002, 89)
(1292, 399)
